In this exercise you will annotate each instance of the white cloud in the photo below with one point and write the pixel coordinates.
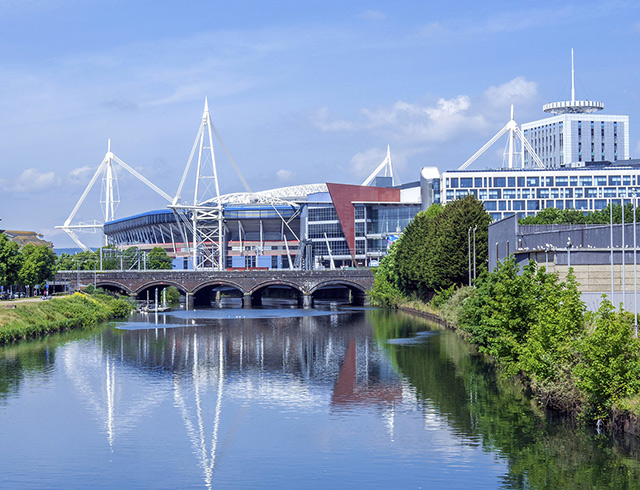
(373, 15)
(31, 179)
(411, 122)
(516, 91)
(285, 175)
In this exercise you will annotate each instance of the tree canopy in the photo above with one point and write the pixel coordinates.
(433, 251)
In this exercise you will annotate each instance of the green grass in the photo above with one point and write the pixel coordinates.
(31, 320)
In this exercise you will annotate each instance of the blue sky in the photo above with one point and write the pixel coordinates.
(301, 92)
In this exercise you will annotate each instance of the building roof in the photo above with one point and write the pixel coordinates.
(23, 238)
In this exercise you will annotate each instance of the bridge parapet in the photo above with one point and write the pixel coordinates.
(247, 282)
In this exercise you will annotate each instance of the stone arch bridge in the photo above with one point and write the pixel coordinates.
(251, 284)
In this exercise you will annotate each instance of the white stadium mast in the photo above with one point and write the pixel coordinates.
(109, 197)
(515, 134)
(204, 217)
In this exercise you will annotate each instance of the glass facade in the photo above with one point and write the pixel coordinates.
(529, 191)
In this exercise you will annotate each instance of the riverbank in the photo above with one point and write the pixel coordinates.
(584, 364)
(27, 319)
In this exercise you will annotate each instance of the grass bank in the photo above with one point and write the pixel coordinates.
(30, 320)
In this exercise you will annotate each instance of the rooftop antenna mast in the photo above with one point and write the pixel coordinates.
(573, 106)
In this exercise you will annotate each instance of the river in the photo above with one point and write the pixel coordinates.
(283, 398)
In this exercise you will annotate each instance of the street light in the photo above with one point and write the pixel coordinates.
(469, 240)
(568, 254)
(474, 251)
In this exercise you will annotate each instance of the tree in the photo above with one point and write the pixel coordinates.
(10, 261)
(433, 253)
(159, 259)
(38, 265)
(609, 369)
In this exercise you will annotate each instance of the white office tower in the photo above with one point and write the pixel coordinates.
(576, 133)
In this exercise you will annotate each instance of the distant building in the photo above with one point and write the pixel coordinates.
(524, 192)
(23, 238)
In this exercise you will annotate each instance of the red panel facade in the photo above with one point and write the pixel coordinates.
(343, 197)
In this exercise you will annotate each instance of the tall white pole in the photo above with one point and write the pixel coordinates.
(474, 253)
(611, 243)
(469, 239)
(635, 265)
(624, 282)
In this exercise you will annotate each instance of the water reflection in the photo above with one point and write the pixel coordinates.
(311, 398)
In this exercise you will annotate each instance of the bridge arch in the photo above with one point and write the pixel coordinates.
(340, 290)
(113, 286)
(278, 291)
(160, 284)
(220, 291)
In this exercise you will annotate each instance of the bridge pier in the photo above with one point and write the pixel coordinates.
(189, 301)
(307, 300)
(246, 300)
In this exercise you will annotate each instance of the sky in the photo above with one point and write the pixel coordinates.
(300, 92)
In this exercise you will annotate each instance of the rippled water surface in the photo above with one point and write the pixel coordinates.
(282, 398)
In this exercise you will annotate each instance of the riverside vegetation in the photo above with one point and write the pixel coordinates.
(79, 310)
(534, 326)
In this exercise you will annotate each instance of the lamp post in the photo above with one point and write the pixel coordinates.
(474, 251)
(469, 240)
(568, 254)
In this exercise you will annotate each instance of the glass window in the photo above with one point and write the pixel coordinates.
(579, 191)
(490, 205)
(494, 193)
(599, 204)
(502, 205)
(359, 212)
(518, 205)
(520, 181)
(449, 195)
(511, 181)
(609, 192)
(533, 205)
(615, 180)
(323, 214)
(477, 182)
(542, 193)
(466, 182)
(482, 194)
(560, 204)
(562, 181)
(573, 181)
(600, 179)
(525, 193)
(499, 182)
(509, 194)
(586, 181)
(568, 204)
(549, 181)
(582, 204)
(533, 181)
(454, 183)
(555, 193)
(591, 192)
(462, 193)
(568, 192)
(626, 180)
